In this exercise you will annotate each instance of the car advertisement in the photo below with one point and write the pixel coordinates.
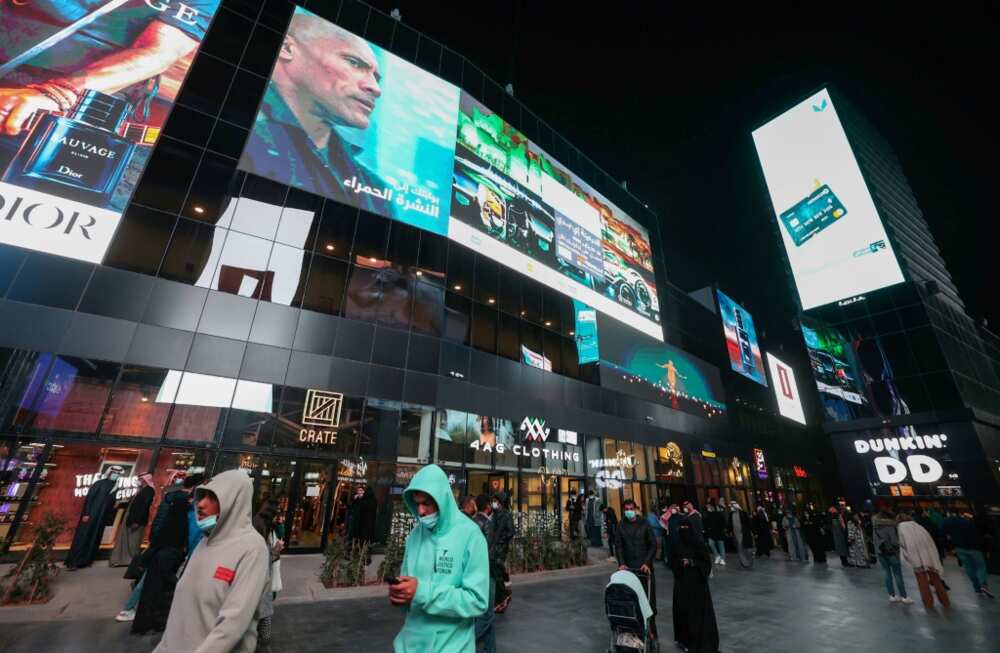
(345, 119)
(835, 241)
(741, 340)
(85, 88)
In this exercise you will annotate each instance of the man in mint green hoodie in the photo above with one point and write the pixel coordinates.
(444, 581)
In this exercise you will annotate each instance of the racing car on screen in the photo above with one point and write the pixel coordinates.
(626, 286)
(829, 369)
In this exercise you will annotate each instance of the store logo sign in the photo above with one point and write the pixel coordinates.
(322, 408)
(892, 470)
(760, 465)
(534, 430)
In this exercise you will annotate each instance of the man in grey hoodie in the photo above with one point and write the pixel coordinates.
(215, 603)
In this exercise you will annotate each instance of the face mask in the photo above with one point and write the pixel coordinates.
(429, 521)
(685, 511)
(207, 524)
(630, 514)
(496, 505)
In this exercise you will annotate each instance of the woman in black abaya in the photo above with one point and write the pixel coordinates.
(694, 617)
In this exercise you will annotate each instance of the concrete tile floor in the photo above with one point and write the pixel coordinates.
(777, 607)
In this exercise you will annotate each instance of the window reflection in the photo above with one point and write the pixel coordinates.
(134, 411)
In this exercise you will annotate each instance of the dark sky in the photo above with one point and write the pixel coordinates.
(666, 97)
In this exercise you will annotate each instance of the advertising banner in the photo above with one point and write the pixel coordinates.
(741, 340)
(345, 119)
(85, 88)
(786, 391)
(834, 238)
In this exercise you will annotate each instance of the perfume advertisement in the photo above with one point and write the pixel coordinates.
(344, 118)
(741, 340)
(85, 88)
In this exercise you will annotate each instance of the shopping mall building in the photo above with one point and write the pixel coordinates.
(198, 274)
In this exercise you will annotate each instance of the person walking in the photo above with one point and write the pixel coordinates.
(715, 531)
(573, 515)
(636, 549)
(695, 627)
(361, 511)
(263, 523)
(920, 552)
(671, 521)
(762, 531)
(504, 525)
(485, 628)
(962, 534)
(740, 530)
(814, 531)
(444, 579)
(611, 526)
(659, 533)
(793, 534)
(857, 549)
(216, 604)
(594, 518)
(691, 515)
(128, 544)
(934, 528)
(886, 540)
(838, 528)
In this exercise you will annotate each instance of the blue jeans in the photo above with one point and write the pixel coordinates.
(890, 568)
(718, 547)
(974, 565)
(485, 631)
(133, 598)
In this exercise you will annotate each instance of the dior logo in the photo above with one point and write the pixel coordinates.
(89, 148)
(322, 408)
(786, 384)
(46, 216)
(534, 429)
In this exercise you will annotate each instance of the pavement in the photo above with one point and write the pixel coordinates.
(778, 606)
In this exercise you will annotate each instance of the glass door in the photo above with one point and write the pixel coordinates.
(309, 500)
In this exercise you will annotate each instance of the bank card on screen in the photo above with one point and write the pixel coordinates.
(813, 214)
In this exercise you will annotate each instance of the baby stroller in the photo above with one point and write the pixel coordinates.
(629, 613)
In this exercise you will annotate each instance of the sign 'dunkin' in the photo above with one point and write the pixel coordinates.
(919, 468)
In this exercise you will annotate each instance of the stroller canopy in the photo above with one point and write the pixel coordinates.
(630, 580)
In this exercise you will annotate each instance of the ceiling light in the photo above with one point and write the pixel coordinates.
(373, 259)
(199, 210)
(419, 273)
(492, 301)
(547, 323)
(329, 247)
(458, 286)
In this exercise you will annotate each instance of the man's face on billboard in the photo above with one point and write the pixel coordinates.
(340, 74)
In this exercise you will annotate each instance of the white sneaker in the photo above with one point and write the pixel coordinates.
(125, 615)
(893, 598)
(907, 600)
(722, 561)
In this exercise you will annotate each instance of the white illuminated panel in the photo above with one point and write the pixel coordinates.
(786, 391)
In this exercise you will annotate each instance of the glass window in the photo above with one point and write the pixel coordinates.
(241, 266)
(504, 430)
(258, 209)
(433, 256)
(428, 309)
(531, 301)
(190, 250)
(484, 328)
(141, 239)
(51, 281)
(397, 285)
(138, 407)
(200, 402)
(461, 268)
(402, 245)
(371, 237)
(509, 339)
(458, 311)
(299, 219)
(364, 291)
(325, 288)
(253, 419)
(415, 429)
(380, 429)
(211, 198)
(72, 396)
(453, 436)
(487, 281)
(335, 230)
(70, 472)
(510, 292)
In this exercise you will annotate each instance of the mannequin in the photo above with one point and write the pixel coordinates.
(96, 508)
(133, 526)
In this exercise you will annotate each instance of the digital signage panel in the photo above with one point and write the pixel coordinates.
(655, 371)
(343, 118)
(85, 88)
(834, 238)
(786, 391)
(741, 340)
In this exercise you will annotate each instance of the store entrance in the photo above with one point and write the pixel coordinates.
(301, 491)
(488, 483)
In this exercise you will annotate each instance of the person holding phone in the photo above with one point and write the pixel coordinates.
(444, 579)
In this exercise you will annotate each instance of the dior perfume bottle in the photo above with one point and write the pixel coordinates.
(79, 156)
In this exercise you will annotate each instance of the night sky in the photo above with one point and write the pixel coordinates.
(666, 98)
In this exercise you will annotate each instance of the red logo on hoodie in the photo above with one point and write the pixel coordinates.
(223, 574)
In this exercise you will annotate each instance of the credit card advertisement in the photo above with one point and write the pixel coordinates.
(834, 238)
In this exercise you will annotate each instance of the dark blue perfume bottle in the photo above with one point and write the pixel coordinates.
(79, 156)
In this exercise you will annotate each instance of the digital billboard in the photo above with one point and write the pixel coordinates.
(786, 391)
(345, 119)
(741, 339)
(655, 371)
(85, 88)
(834, 238)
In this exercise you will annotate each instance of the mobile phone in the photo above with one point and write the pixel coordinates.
(392, 580)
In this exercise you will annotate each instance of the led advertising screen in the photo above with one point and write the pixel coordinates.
(786, 391)
(741, 340)
(85, 88)
(655, 371)
(345, 119)
(835, 241)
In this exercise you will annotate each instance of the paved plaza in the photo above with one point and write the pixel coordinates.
(777, 607)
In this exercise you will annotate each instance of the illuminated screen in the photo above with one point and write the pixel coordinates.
(741, 340)
(87, 87)
(343, 118)
(786, 391)
(835, 241)
(656, 371)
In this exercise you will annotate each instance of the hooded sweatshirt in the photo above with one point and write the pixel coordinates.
(451, 565)
(215, 603)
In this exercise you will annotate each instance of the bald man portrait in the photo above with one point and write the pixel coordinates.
(325, 85)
